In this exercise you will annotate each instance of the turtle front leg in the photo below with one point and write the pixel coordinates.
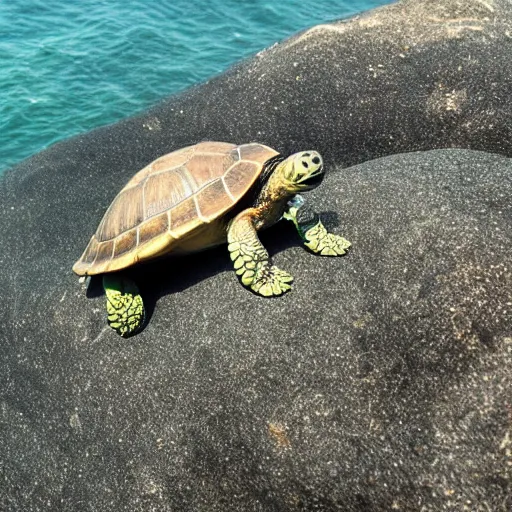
(251, 260)
(125, 308)
(313, 232)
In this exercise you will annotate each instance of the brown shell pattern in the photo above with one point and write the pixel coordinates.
(169, 199)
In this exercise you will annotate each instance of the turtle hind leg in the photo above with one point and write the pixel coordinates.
(125, 308)
(251, 260)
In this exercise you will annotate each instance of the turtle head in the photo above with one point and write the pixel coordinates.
(302, 171)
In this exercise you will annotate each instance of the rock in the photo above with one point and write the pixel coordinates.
(381, 382)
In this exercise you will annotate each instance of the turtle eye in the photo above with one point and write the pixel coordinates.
(316, 160)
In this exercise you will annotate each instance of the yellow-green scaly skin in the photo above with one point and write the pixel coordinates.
(251, 260)
(125, 308)
(297, 173)
(316, 237)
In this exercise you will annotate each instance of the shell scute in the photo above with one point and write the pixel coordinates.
(237, 178)
(87, 259)
(124, 213)
(211, 198)
(174, 159)
(205, 168)
(105, 251)
(210, 146)
(257, 153)
(162, 164)
(164, 191)
(125, 243)
(153, 227)
(184, 218)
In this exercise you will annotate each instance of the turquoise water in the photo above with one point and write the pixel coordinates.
(68, 67)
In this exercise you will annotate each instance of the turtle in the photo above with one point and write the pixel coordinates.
(198, 197)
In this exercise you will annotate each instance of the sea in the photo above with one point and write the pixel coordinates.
(67, 67)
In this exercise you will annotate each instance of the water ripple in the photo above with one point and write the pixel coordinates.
(68, 67)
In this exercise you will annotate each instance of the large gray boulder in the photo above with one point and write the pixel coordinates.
(382, 381)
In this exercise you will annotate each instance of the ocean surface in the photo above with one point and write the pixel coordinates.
(68, 67)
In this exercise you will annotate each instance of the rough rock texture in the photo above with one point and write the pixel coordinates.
(381, 382)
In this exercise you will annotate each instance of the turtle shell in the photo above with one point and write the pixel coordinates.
(168, 202)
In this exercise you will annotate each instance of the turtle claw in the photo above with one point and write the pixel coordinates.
(125, 308)
(271, 281)
(320, 241)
